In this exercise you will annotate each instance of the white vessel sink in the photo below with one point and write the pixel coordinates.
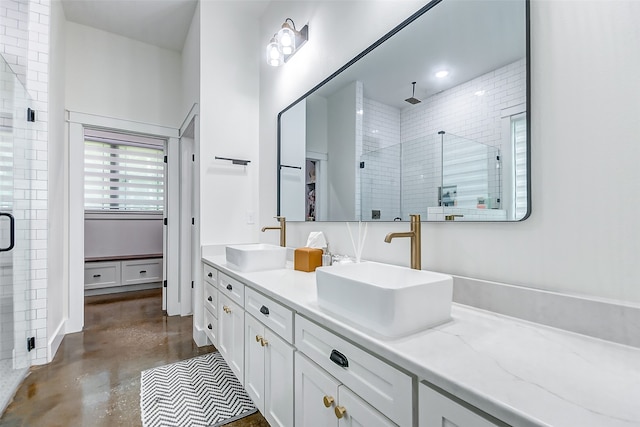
(386, 299)
(256, 257)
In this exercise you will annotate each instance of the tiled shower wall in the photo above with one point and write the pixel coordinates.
(457, 111)
(24, 44)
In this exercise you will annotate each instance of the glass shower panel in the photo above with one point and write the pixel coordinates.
(15, 231)
(421, 175)
(380, 184)
(471, 174)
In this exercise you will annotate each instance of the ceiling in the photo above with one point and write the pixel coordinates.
(466, 38)
(162, 23)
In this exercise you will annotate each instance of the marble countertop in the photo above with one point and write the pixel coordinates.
(523, 373)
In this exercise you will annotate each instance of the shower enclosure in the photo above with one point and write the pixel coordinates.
(432, 176)
(16, 157)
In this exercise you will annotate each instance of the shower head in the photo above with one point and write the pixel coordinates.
(413, 100)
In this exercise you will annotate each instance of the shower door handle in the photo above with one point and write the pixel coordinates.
(12, 232)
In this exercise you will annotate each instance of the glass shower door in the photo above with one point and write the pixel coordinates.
(16, 155)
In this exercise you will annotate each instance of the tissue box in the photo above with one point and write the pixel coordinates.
(307, 259)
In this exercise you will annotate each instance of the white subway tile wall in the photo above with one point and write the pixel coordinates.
(24, 44)
(472, 110)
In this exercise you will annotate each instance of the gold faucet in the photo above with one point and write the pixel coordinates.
(283, 230)
(416, 241)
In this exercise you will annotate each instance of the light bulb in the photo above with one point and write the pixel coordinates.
(286, 40)
(441, 74)
(274, 57)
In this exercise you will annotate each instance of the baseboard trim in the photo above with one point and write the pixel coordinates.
(55, 340)
(199, 336)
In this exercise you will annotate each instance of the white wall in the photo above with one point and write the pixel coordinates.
(114, 76)
(228, 126)
(57, 288)
(341, 120)
(191, 66)
(584, 63)
(121, 237)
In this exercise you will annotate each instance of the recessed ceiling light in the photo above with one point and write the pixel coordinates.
(441, 74)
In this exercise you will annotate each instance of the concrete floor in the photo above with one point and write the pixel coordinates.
(94, 379)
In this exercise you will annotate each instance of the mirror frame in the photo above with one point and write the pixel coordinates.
(377, 43)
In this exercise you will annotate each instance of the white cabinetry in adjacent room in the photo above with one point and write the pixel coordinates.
(323, 401)
(437, 410)
(268, 376)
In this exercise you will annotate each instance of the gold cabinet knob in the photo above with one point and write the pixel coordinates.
(328, 401)
(226, 309)
(263, 342)
(258, 338)
(340, 411)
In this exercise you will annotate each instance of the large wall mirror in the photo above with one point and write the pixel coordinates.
(367, 144)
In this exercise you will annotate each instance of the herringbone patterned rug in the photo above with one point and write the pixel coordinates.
(202, 392)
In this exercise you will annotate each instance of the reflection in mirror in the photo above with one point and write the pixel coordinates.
(369, 145)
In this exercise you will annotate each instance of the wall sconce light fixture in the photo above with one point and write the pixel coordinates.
(286, 42)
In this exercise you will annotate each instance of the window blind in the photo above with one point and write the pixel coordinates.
(123, 175)
(519, 134)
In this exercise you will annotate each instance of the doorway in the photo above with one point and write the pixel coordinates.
(77, 124)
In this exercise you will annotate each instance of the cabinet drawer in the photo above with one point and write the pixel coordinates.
(383, 386)
(438, 410)
(211, 327)
(101, 274)
(272, 314)
(142, 271)
(230, 287)
(211, 298)
(210, 274)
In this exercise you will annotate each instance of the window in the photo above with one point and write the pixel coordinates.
(123, 173)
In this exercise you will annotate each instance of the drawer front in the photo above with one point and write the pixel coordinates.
(211, 327)
(272, 314)
(101, 274)
(210, 274)
(383, 386)
(211, 298)
(141, 271)
(230, 287)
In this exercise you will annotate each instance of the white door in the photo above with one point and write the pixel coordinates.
(231, 335)
(254, 361)
(316, 395)
(356, 412)
(278, 380)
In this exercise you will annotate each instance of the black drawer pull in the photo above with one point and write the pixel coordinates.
(97, 275)
(143, 271)
(210, 299)
(229, 287)
(209, 326)
(339, 359)
(210, 274)
(264, 310)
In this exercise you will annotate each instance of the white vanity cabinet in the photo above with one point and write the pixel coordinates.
(323, 401)
(437, 410)
(384, 387)
(268, 376)
(231, 334)
(210, 275)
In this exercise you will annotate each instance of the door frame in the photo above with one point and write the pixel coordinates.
(76, 123)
